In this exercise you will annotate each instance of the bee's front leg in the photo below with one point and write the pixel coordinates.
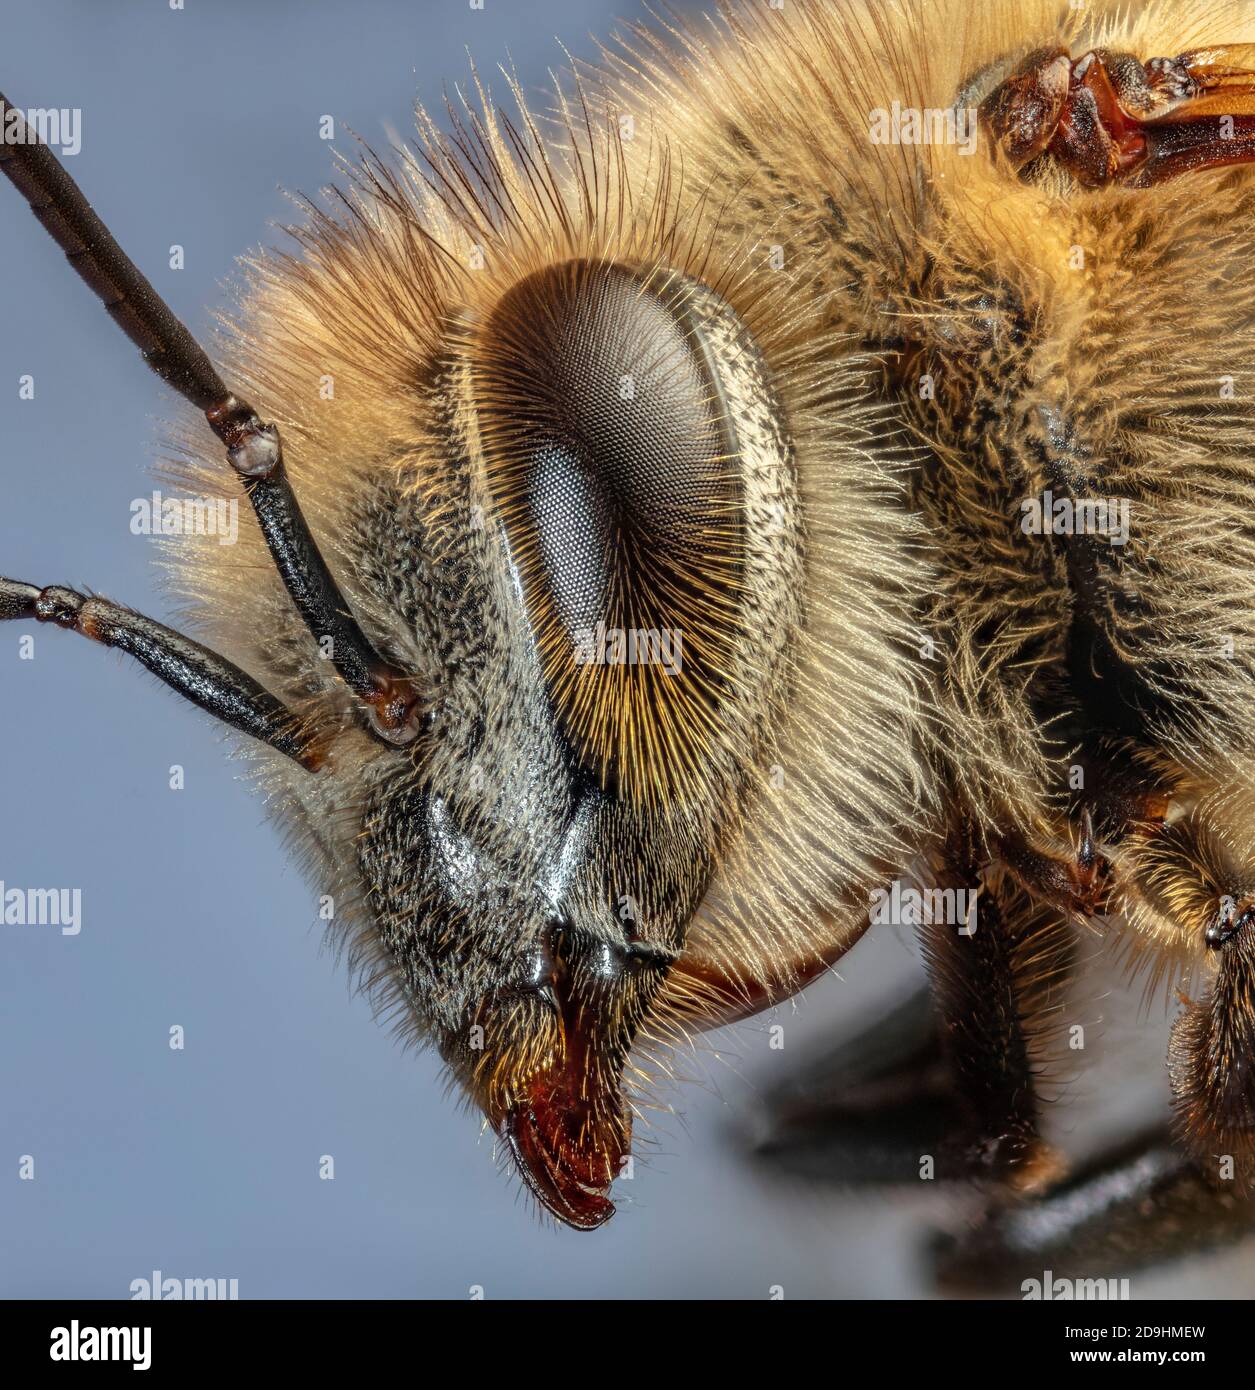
(943, 1088)
(992, 976)
(871, 1110)
(1134, 1207)
(1213, 1041)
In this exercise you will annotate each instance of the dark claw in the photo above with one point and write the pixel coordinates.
(1230, 919)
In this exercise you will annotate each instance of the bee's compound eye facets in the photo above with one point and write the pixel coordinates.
(613, 446)
(611, 405)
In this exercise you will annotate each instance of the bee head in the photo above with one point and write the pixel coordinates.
(618, 606)
(588, 422)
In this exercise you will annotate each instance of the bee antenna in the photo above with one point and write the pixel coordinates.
(395, 706)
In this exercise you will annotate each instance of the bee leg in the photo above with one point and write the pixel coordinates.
(1166, 1195)
(993, 978)
(1107, 117)
(944, 1087)
(196, 673)
(1187, 885)
(1136, 1206)
(1211, 1049)
(866, 1111)
(1121, 796)
(1117, 801)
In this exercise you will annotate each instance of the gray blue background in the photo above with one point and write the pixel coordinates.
(204, 1162)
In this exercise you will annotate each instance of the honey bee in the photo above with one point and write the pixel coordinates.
(811, 456)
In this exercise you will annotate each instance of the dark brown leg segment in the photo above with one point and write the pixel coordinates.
(1211, 1059)
(1138, 1206)
(867, 1112)
(944, 1087)
(981, 982)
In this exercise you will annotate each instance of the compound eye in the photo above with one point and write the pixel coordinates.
(610, 405)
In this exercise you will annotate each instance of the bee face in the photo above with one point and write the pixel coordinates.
(621, 513)
(614, 425)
